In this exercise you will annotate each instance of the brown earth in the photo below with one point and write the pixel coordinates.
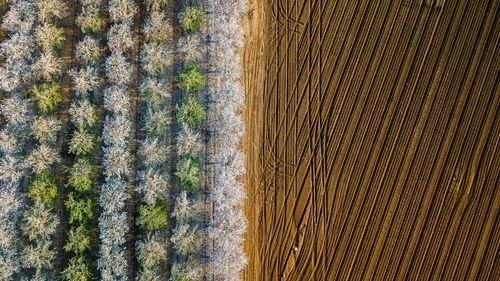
(373, 129)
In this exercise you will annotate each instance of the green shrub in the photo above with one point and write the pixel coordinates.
(189, 173)
(77, 270)
(191, 112)
(153, 217)
(192, 18)
(43, 188)
(50, 37)
(48, 96)
(82, 175)
(80, 210)
(79, 240)
(192, 78)
(82, 143)
(91, 23)
(158, 123)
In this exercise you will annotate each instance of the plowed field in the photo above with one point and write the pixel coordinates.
(373, 140)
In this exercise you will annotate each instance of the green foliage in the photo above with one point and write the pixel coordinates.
(192, 18)
(158, 123)
(50, 37)
(188, 270)
(80, 210)
(189, 173)
(77, 270)
(43, 188)
(79, 240)
(191, 112)
(192, 78)
(153, 217)
(82, 143)
(82, 175)
(91, 23)
(48, 96)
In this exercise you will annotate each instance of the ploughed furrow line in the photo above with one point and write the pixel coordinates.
(349, 200)
(374, 133)
(417, 161)
(450, 197)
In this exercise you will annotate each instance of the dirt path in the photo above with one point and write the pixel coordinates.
(372, 140)
(67, 53)
(136, 135)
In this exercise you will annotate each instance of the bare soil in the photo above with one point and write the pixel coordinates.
(373, 130)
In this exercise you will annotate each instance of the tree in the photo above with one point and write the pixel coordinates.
(43, 189)
(157, 28)
(42, 158)
(82, 175)
(79, 240)
(153, 217)
(82, 142)
(192, 18)
(85, 80)
(49, 10)
(153, 152)
(188, 141)
(191, 112)
(151, 252)
(48, 66)
(77, 270)
(118, 69)
(153, 185)
(91, 22)
(189, 270)
(189, 173)
(50, 37)
(80, 210)
(88, 50)
(120, 37)
(39, 257)
(83, 114)
(46, 128)
(186, 210)
(122, 11)
(157, 122)
(191, 47)
(154, 58)
(20, 17)
(155, 91)
(155, 5)
(40, 223)
(48, 96)
(185, 239)
(192, 78)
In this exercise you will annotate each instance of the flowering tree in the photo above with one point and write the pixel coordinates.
(152, 178)
(113, 224)
(82, 174)
(226, 96)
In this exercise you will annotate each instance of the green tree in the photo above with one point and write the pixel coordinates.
(50, 37)
(91, 23)
(82, 175)
(79, 240)
(80, 210)
(82, 142)
(192, 18)
(189, 173)
(192, 78)
(48, 96)
(153, 216)
(191, 112)
(77, 270)
(43, 188)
